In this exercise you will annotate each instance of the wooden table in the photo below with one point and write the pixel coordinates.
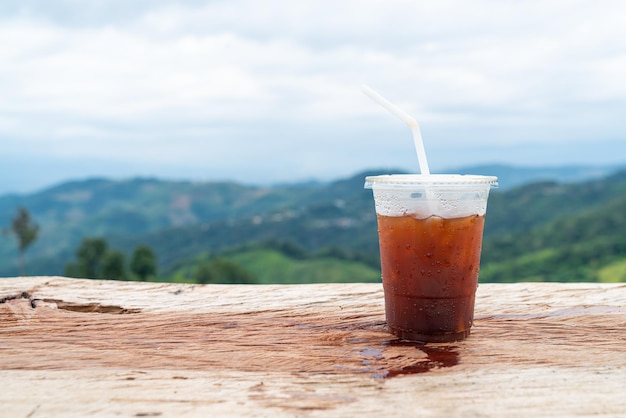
(100, 348)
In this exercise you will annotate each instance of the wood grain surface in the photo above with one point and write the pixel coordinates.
(72, 347)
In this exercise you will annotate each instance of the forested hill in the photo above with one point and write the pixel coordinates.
(539, 231)
(162, 213)
(552, 232)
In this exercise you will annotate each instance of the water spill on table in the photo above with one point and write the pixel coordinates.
(382, 363)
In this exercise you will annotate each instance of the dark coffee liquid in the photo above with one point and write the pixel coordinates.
(430, 274)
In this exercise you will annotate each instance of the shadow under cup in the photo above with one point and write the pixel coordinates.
(430, 232)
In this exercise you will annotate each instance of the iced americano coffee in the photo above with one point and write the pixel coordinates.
(430, 234)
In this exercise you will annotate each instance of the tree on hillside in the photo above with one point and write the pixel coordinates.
(205, 274)
(25, 230)
(89, 259)
(95, 260)
(143, 262)
(222, 271)
(114, 265)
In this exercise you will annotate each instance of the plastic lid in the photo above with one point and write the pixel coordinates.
(400, 180)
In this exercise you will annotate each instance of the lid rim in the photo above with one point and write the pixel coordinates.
(434, 179)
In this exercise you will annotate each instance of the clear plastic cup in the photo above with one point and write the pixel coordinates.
(430, 232)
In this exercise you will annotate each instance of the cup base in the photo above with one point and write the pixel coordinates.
(429, 338)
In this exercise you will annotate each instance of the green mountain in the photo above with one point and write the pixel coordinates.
(179, 219)
(315, 231)
(271, 265)
(584, 241)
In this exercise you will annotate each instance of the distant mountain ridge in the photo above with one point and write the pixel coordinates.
(183, 219)
(510, 176)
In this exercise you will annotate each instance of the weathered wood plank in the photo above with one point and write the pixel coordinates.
(105, 348)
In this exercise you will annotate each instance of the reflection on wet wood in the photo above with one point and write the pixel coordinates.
(97, 347)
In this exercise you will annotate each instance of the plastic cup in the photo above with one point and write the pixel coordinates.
(430, 232)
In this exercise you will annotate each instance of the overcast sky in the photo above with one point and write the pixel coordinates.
(266, 91)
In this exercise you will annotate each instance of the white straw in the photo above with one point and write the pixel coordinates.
(406, 118)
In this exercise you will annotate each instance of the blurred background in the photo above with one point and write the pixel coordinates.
(232, 136)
